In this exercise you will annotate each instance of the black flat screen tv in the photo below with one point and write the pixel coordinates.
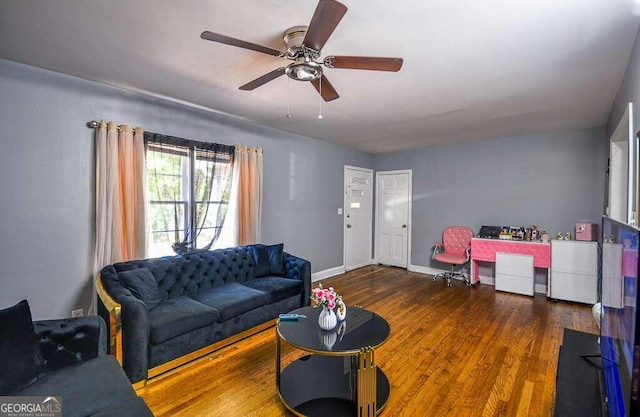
(619, 330)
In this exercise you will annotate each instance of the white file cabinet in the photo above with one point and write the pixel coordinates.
(612, 281)
(514, 273)
(574, 271)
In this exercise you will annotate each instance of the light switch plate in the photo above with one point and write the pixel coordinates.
(340, 211)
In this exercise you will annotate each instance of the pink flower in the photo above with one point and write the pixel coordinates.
(324, 297)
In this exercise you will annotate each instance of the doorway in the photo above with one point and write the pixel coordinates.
(622, 171)
(393, 218)
(358, 216)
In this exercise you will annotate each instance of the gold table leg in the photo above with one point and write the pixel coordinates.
(366, 388)
(277, 360)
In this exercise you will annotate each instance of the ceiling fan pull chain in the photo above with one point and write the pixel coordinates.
(320, 91)
(288, 99)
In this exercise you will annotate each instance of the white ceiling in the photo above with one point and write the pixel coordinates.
(472, 70)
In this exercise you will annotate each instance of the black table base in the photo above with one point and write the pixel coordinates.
(327, 386)
(339, 376)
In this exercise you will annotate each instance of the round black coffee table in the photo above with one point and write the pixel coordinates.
(339, 377)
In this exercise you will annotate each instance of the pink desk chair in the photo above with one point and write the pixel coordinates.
(455, 250)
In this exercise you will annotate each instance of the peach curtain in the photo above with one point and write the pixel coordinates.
(248, 162)
(121, 227)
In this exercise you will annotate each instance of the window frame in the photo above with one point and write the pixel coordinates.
(190, 152)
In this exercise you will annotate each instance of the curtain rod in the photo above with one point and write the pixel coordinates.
(185, 142)
(94, 125)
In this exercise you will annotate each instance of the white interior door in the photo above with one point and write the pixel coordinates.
(622, 170)
(358, 215)
(393, 209)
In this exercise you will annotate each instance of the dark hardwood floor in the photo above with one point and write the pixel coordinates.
(455, 351)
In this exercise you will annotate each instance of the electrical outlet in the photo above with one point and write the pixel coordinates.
(77, 313)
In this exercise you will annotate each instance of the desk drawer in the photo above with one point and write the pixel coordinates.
(514, 273)
(574, 287)
(574, 257)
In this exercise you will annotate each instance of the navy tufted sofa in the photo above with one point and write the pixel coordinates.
(77, 370)
(208, 299)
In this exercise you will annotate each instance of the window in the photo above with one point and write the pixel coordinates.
(189, 185)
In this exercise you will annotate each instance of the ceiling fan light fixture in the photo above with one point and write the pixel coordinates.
(293, 39)
(304, 71)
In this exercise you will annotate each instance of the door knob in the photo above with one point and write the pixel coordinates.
(404, 226)
(348, 226)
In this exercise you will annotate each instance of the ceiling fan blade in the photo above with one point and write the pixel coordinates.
(364, 63)
(327, 92)
(324, 21)
(251, 85)
(216, 37)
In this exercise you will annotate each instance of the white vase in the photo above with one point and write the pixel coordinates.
(327, 319)
(341, 310)
(598, 312)
(328, 338)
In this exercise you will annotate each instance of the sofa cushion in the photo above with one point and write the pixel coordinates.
(276, 259)
(181, 315)
(276, 288)
(19, 354)
(87, 388)
(269, 260)
(142, 285)
(232, 299)
(261, 261)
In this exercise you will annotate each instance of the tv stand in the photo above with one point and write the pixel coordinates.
(577, 382)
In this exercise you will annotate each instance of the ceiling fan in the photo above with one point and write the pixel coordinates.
(304, 45)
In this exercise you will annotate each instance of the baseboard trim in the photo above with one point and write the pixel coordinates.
(429, 271)
(327, 273)
(425, 269)
(484, 279)
(538, 288)
(369, 262)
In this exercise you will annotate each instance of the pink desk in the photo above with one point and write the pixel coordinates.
(484, 250)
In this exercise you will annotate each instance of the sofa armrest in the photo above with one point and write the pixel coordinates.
(113, 311)
(69, 341)
(128, 325)
(298, 268)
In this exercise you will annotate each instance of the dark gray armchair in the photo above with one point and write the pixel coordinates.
(76, 370)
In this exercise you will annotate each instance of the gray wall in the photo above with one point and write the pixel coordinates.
(629, 91)
(46, 178)
(551, 180)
